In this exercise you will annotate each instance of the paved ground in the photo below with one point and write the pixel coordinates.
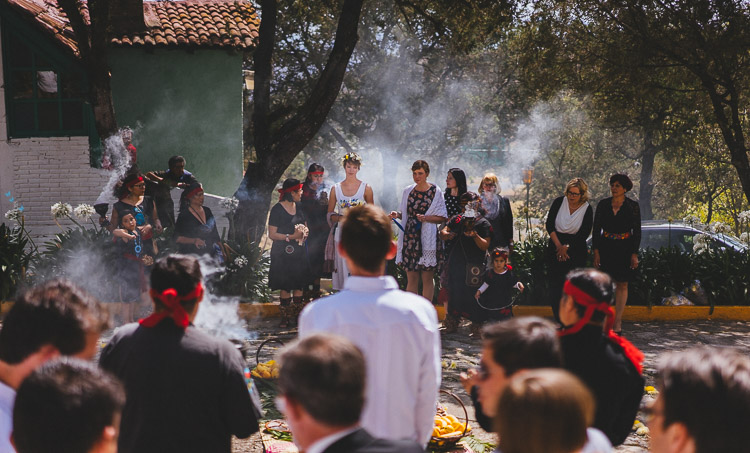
(461, 352)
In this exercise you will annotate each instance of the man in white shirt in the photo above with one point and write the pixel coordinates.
(322, 391)
(396, 331)
(50, 320)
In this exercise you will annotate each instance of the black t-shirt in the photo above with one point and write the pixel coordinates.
(186, 390)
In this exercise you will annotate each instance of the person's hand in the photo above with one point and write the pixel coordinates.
(395, 214)
(182, 185)
(477, 295)
(469, 379)
(420, 217)
(146, 230)
(199, 243)
(158, 228)
(103, 221)
(634, 261)
(562, 252)
(597, 260)
(447, 235)
(470, 233)
(521, 287)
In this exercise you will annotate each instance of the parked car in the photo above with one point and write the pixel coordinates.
(656, 234)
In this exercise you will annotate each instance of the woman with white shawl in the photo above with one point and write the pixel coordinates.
(569, 224)
(422, 209)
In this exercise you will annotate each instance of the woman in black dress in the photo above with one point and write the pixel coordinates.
(497, 212)
(289, 266)
(195, 227)
(616, 240)
(315, 206)
(131, 195)
(569, 224)
(472, 235)
(455, 186)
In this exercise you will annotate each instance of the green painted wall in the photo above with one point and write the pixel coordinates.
(183, 103)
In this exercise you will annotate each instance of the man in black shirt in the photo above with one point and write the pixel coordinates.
(186, 391)
(161, 184)
(608, 364)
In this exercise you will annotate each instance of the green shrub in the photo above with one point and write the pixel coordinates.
(14, 260)
(245, 274)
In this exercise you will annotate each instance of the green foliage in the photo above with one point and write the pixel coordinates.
(246, 273)
(14, 260)
(724, 275)
(529, 266)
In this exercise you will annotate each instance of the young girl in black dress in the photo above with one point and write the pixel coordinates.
(494, 296)
(133, 259)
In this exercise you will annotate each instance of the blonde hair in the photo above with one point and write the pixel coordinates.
(489, 178)
(544, 411)
(581, 185)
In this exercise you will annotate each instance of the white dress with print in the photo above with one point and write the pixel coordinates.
(343, 203)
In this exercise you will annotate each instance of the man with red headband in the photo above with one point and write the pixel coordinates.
(186, 390)
(608, 364)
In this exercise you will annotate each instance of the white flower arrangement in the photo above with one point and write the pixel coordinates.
(720, 228)
(240, 261)
(744, 217)
(61, 209)
(305, 231)
(745, 237)
(536, 233)
(230, 203)
(15, 213)
(692, 220)
(701, 243)
(84, 211)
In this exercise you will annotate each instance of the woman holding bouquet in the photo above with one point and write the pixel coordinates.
(348, 193)
(289, 271)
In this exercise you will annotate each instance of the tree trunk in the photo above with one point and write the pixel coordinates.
(647, 172)
(276, 147)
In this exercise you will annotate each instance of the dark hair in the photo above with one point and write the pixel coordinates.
(121, 188)
(460, 178)
(326, 375)
(544, 411)
(596, 284)
(314, 167)
(65, 405)
(623, 179)
(420, 164)
(366, 236)
(499, 252)
(289, 182)
(56, 313)
(175, 160)
(520, 343)
(181, 272)
(469, 197)
(122, 213)
(708, 391)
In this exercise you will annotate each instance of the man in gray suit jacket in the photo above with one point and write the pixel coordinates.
(322, 388)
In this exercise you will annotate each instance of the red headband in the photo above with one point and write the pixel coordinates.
(582, 298)
(134, 182)
(194, 192)
(174, 309)
(288, 190)
(316, 173)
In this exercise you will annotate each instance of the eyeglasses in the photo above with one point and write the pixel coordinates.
(573, 194)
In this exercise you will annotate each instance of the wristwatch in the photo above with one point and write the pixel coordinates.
(287, 237)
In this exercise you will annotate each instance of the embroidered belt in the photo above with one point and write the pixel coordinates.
(616, 236)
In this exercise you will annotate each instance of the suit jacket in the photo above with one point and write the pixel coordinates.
(360, 441)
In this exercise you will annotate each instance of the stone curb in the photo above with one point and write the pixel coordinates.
(632, 313)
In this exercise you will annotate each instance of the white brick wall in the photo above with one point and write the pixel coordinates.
(48, 170)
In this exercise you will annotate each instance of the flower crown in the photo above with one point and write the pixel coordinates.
(351, 157)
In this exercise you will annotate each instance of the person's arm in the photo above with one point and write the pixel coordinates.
(636, 240)
(332, 207)
(154, 215)
(238, 409)
(508, 221)
(114, 221)
(369, 198)
(597, 232)
(554, 209)
(123, 234)
(429, 385)
(481, 242)
(274, 235)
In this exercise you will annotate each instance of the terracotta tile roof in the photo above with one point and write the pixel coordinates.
(196, 23)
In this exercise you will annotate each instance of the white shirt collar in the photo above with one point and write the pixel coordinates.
(381, 283)
(321, 445)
